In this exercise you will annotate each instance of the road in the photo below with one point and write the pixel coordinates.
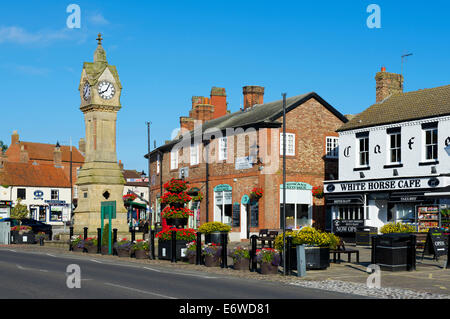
(32, 275)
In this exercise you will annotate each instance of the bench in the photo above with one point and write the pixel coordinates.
(267, 235)
(342, 250)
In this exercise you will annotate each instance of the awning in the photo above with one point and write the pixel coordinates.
(134, 204)
(407, 197)
(344, 199)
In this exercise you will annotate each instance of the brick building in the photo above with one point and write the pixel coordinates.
(225, 156)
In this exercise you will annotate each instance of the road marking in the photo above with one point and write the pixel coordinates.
(96, 261)
(23, 268)
(152, 269)
(182, 274)
(138, 290)
(50, 255)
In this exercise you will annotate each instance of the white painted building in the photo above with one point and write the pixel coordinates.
(394, 160)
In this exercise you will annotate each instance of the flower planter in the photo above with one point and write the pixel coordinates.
(212, 261)
(91, 249)
(214, 237)
(123, 253)
(177, 222)
(18, 237)
(105, 250)
(242, 264)
(77, 249)
(392, 253)
(316, 258)
(140, 254)
(268, 269)
(191, 259)
(165, 249)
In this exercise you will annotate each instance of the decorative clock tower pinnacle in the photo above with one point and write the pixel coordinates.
(100, 54)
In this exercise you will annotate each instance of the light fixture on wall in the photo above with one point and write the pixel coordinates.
(361, 174)
(395, 172)
(433, 170)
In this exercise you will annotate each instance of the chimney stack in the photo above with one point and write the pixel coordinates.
(57, 155)
(219, 100)
(24, 157)
(14, 138)
(253, 95)
(387, 84)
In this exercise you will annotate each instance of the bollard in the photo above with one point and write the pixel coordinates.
(99, 240)
(288, 271)
(133, 234)
(85, 232)
(173, 250)
(373, 257)
(152, 242)
(448, 253)
(70, 237)
(41, 241)
(224, 240)
(413, 252)
(198, 253)
(114, 240)
(253, 266)
(301, 261)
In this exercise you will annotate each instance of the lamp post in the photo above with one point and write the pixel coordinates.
(149, 177)
(284, 183)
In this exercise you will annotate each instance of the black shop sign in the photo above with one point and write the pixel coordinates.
(436, 243)
(346, 226)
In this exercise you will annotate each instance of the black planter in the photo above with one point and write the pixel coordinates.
(214, 237)
(363, 235)
(391, 252)
(316, 258)
(165, 249)
(25, 238)
(177, 222)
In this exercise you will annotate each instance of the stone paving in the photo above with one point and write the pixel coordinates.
(430, 280)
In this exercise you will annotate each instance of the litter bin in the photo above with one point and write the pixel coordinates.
(394, 252)
(364, 234)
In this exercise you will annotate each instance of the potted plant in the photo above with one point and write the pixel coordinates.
(241, 258)
(212, 254)
(175, 199)
(213, 231)
(317, 192)
(269, 260)
(191, 251)
(176, 216)
(183, 236)
(129, 197)
(140, 248)
(123, 247)
(317, 246)
(256, 193)
(90, 245)
(175, 185)
(77, 243)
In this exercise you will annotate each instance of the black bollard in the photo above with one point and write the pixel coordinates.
(253, 266)
(99, 240)
(152, 242)
(85, 232)
(114, 240)
(41, 241)
(133, 234)
(373, 257)
(198, 253)
(224, 240)
(70, 237)
(288, 255)
(173, 251)
(413, 252)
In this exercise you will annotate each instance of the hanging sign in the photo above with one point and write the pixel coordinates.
(297, 186)
(236, 215)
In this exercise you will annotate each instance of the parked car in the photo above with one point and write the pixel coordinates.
(35, 225)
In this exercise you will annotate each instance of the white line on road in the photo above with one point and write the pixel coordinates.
(96, 261)
(182, 274)
(50, 255)
(23, 268)
(138, 290)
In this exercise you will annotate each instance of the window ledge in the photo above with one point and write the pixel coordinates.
(364, 168)
(393, 165)
(428, 163)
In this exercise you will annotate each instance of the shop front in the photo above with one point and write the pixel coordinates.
(5, 208)
(418, 201)
(299, 203)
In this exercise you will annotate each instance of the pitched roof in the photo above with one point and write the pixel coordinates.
(28, 174)
(403, 107)
(259, 115)
(41, 151)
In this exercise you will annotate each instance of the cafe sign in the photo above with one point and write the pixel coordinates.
(383, 185)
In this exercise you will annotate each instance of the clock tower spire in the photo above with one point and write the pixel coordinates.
(100, 178)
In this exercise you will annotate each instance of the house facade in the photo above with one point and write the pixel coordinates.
(225, 158)
(394, 160)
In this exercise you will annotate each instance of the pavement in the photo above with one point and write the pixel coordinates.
(430, 275)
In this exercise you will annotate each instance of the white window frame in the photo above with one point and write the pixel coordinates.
(332, 147)
(174, 159)
(397, 148)
(57, 194)
(290, 144)
(366, 151)
(223, 148)
(194, 154)
(433, 145)
(158, 163)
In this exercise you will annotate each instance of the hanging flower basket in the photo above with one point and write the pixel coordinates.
(256, 193)
(129, 197)
(175, 186)
(317, 192)
(198, 197)
(170, 198)
(176, 212)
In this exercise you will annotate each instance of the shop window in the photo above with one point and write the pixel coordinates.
(332, 147)
(55, 214)
(54, 194)
(351, 212)
(42, 213)
(21, 193)
(390, 212)
(297, 215)
(405, 213)
(223, 207)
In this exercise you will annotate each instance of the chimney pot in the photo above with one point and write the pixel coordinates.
(253, 95)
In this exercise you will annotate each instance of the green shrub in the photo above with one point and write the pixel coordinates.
(397, 228)
(210, 227)
(105, 235)
(309, 236)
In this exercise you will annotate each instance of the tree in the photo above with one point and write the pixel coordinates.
(19, 211)
(3, 147)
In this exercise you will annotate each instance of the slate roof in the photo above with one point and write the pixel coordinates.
(403, 107)
(260, 115)
(28, 174)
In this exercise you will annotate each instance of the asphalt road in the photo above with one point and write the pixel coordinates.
(32, 275)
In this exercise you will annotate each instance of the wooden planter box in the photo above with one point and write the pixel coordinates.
(392, 252)
(242, 264)
(268, 269)
(214, 238)
(211, 261)
(24, 238)
(165, 249)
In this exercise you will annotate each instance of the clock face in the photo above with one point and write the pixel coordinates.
(86, 91)
(106, 90)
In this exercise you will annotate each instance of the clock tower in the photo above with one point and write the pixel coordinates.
(100, 178)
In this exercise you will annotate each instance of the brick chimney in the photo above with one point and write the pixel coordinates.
(57, 155)
(219, 100)
(82, 146)
(202, 112)
(387, 84)
(14, 138)
(24, 157)
(253, 95)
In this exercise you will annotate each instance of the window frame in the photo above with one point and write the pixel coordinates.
(332, 152)
(57, 194)
(396, 148)
(434, 146)
(174, 159)
(223, 148)
(365, 152)
(288, 152)
(197, 157)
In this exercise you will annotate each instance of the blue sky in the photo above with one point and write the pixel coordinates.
(168, 51)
